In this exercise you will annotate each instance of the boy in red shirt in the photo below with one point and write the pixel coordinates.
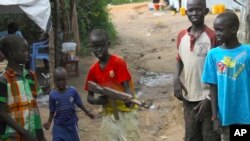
(111, 71)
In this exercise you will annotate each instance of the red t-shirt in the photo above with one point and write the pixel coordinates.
(114, 73)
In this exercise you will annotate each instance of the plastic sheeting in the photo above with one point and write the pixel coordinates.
(244, 30)
(229, 4)
(37, 10)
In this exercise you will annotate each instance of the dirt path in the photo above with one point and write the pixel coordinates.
(147, 42)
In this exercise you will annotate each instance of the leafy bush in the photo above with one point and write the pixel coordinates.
(94, 14)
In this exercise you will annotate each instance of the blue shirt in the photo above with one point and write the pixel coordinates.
(5, 33)
(229, 69)
(63, 104)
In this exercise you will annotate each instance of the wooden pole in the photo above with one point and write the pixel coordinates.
(51, 57)
(57, 29)
(244, 30)
(74, 24)
(64, 21)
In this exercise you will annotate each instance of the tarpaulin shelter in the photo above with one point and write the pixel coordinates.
(38, 11)
(244, 31)
(229, 4)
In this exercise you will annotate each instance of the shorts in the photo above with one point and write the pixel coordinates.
(65, 132)
(198, 130)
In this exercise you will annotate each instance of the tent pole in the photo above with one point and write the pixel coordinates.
(74, 24)
(51, 57)
(57, 29)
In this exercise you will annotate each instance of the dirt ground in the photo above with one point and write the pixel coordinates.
(147, 42)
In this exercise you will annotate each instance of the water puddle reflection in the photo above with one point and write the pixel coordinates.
(153, 79)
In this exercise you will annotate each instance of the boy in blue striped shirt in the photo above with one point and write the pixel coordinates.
(62, 103)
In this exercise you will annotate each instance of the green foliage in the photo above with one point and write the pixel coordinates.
(27, 27)
(93, 14)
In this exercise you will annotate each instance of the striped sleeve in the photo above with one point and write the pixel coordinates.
(3, 90)
(35, 87)
(180, 36)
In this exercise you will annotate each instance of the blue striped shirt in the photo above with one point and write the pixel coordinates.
(63, 104)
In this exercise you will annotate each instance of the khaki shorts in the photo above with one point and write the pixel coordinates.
(124, 129)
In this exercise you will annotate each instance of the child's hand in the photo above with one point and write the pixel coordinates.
(91, 115)
(46, 125)
(102, 99)
(217, 125)
(178, 88)
(128, 104)
(28, 137)
(202, 109)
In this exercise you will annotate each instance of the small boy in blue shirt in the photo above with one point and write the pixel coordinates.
(62, 103)
(227, 70)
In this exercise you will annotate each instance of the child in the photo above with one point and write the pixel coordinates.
(111, 71)
(12, 30)
(19, 114)
(227, 70)
(62, 104)
(193, 44)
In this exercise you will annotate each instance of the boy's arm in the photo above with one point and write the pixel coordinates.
(178, 86)
(48, 123)
(4, 116)
(78, 102)
(128, 90)
(214, 106)
(86, 111)
(52, 108)
(202, 108)
(214, 101)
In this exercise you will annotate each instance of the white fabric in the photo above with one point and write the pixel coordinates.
(229, 4)
(37, 10)
(124, 129)
(244, 30)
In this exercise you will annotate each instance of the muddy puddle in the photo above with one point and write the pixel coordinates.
(154, 88)
(153, 79)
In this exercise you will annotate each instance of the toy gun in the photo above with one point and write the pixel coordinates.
(113, 95)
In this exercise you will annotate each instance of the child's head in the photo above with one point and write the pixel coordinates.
(226, 26)
(60, 78)
(15, 49)
(99, 42)
(12, 28)
(196, 11)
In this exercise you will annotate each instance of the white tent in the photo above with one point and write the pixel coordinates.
(229, 4)
(37, 10)
(244, 31)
